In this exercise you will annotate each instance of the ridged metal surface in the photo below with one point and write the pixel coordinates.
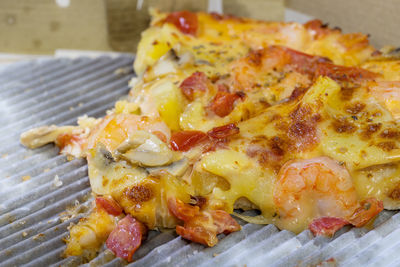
(57, 91)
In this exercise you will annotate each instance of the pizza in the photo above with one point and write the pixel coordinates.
(297, 121)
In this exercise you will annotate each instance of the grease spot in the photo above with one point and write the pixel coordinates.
(54, 26)
(11, 19)
(37, 43)
(27, 9)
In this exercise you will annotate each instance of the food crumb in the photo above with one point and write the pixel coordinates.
(4, 156)
(331, 262)
(122, 71)
(24, 234)
(38, 236)
(57, 182)
(26, 178)
(46, 170)
(215, 254)
(71, 108)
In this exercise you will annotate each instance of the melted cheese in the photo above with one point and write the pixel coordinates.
(323, 122)
(220, 41)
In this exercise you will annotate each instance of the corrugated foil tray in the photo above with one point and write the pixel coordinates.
(36, 186)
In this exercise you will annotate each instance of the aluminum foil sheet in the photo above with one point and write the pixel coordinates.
(36, 186)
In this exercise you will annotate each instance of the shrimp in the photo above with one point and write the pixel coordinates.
(311, 189)
(116, 128)
(388, 93)
(266, 68)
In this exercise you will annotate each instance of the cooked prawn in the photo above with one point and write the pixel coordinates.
(116, 128)
(388, 93)
(317, 188)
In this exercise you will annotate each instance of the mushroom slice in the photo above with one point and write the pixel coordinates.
(177, 168)
(41, 136)
(144, 149)
(102, 157)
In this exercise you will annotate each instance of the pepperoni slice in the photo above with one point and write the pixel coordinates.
(327, 226)
(126, 238)
(195, 82)
(185, 140)
(222, 103)
(313, 66)
(319, 66)
(109, 205)
(303, 62)
(185, 21)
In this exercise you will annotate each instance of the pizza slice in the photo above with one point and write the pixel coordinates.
(299, 122)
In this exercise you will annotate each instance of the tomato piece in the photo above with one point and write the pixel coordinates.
(368, 210)
(318, 29)
(67, 139)
(181, 210)
(185, 21)
(201, 226)
(109, 205)
(223, 88)
(198, 234)
(327, 226)
(223, 132)
(126, 237)
(195, 82)
(185, 140)
(224, 222)
(222, 103)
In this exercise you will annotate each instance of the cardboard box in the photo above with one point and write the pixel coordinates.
(42, 26)
(379, 18)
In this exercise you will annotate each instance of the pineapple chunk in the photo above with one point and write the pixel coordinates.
(88, 235)
(168, 100)
(155, 43)
(125, 107)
